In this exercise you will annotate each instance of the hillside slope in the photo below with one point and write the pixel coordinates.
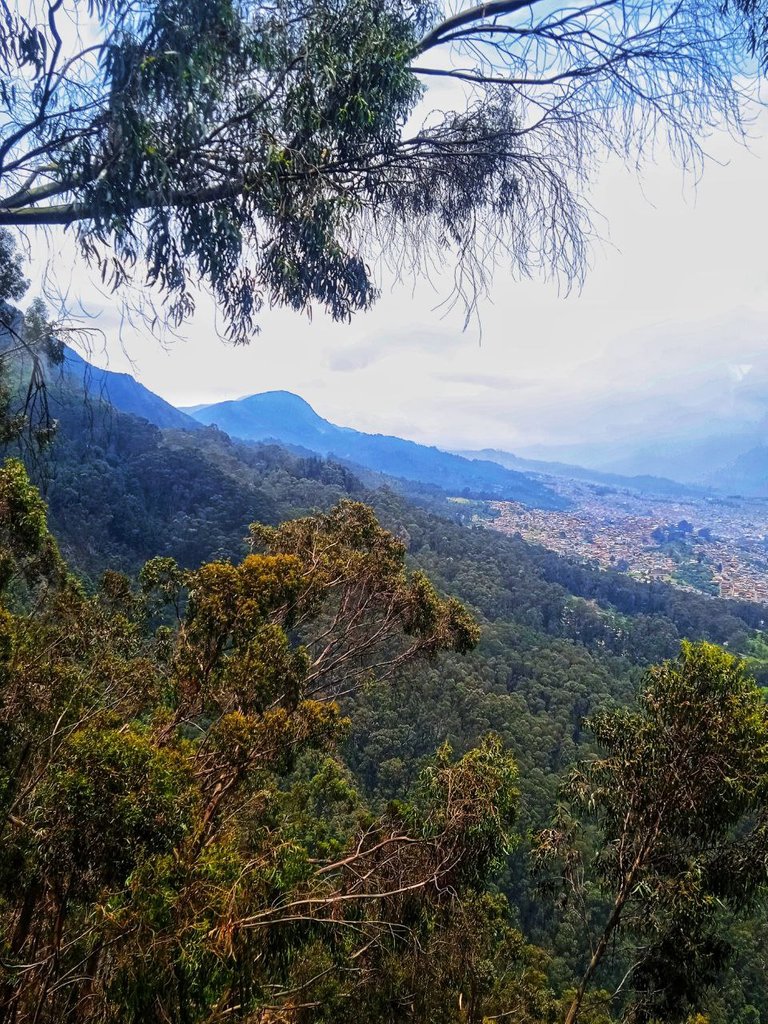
(284, 417)
(642, 483)
(124, 393)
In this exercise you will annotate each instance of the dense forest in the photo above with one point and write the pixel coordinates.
(155, 525)
(282, 740)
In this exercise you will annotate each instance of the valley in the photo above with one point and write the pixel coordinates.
(383, 512)
(705, 543)
(650, 528)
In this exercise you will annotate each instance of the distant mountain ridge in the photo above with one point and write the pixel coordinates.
(644, 483)
(735, 465)
(125, 393)
(746, 475)
(723, 462)
(288, 419)
(120, 390)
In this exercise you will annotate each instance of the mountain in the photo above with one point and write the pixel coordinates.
(643, 483)
(125, 393)
(690, 461)
(746, 475)
(120, 391)
(284, 417)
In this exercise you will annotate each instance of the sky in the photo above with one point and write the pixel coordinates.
(668, 339)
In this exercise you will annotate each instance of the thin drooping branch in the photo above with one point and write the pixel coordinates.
(267, 156)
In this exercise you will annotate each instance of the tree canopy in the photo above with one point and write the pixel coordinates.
(181, 840)
(221, 793)
(275, 150)
(680, 796)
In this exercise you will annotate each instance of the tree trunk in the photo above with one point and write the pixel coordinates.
(597, 956)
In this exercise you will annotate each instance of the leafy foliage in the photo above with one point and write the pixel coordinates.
(680, 796)
(13, 284)
(161, 855)
(266, 149)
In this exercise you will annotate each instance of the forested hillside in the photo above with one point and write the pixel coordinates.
(558, 639)
(287, 419)
(558, 635)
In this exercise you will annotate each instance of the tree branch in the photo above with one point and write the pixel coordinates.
(494, 9)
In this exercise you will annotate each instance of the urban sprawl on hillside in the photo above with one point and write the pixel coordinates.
(713, 545)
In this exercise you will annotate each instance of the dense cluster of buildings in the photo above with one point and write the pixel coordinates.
(722, 548)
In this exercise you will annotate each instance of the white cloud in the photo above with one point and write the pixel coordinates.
(670, 334)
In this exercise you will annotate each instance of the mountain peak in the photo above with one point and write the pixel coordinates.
(276, 400)
(287, 418)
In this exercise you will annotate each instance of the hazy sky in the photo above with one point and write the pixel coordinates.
(668, 337)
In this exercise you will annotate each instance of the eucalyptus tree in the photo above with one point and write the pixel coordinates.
(678, 793)
(756, 13)
(276, 151)
(180, 837)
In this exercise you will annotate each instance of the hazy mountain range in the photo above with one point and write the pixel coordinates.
(642, 482)
(287, 419)
(126, 393)
(733, 463)
(284, 417)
